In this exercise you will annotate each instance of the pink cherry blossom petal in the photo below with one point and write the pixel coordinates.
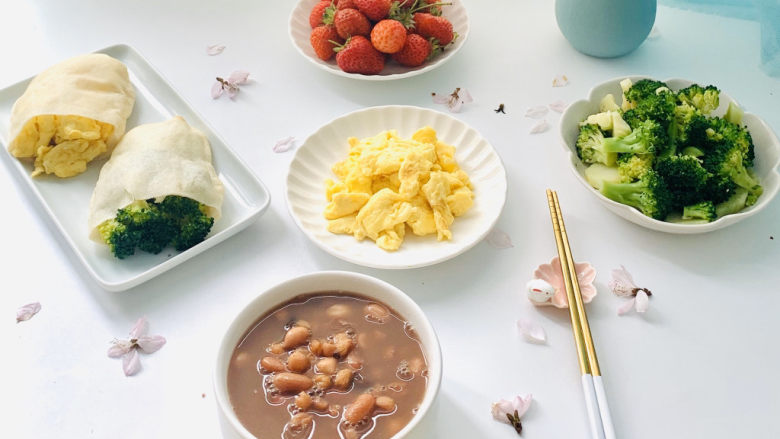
(560, 81)
(531, 331)
(642, 302)
(465, 96)
(232, 92)
(558, 106)
(284, 145)
(622, 283)
(540, 127)
(140, 328)
(131, 363)
(238, 77)
(537, 112)
(499, 239)
(151, 343)
(214, 49)
(216, 90)
(26, 312)
(500, 409)
(626, 307)
(119, 348)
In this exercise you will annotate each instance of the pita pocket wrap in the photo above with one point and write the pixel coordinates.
(153, 161)
(71, 113)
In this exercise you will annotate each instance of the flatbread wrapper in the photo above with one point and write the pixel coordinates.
(153, 161)
(95, 86)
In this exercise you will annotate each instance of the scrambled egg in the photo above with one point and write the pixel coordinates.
(62, 145)
(388, 183)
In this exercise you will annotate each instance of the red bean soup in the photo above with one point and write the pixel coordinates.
(328, 365)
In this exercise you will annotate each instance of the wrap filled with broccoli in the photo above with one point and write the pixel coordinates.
(71, 113)
(158, 189)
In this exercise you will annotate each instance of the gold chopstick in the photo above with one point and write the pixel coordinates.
(593, 387)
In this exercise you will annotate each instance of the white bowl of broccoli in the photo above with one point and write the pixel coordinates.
(671, 155)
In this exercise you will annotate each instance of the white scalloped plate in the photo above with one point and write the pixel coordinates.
(300, 31)
(328, 145)
(767, 148)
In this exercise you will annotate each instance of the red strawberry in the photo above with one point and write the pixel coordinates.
(346, 4)
(374, 9)
(429, 26)
(321, 37)
(357, 55)
(388, 36)
(415, 51)
(351, 22)
(317, 12)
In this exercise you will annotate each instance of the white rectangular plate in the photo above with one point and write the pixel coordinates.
(66, 200)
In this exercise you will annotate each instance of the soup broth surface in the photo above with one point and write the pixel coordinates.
(325, 366)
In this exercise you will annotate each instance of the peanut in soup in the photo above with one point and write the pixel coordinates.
(328, 365)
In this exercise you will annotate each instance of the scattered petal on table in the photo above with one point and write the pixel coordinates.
(537, 112)
(622, 283)
(558, 106)
(131, 364)
(626, 307)
(26, 312)
(151, 344)
(284, 145)
(140, 328)
(454, 100)
(510, 411)
(560, 81)
(238, 77)
(119, 348)
(531, 331)
(642, 301)
(499, 239)
(214, 49)
(540, 127)
(216, 90)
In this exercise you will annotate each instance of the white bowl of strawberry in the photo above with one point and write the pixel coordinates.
(378, 39)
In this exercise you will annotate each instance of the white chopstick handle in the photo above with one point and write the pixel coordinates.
(592, 407)
(606, 417)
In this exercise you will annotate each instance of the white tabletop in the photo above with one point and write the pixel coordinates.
(702, 362)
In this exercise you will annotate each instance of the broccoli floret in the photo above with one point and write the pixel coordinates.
(718, 189)
(643, 89)
(704, 210)
(646, 138)
(590, 146)
(650, 195)
(690, 125)
(144, 218)
(727, 159)
(632, 166)
(685, 177)
(121, 241)
(705, 99)
(721, 130)
(152, 226)
(189, 216)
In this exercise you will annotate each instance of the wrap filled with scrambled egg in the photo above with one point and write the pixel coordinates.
(71, 113)
(153, 161)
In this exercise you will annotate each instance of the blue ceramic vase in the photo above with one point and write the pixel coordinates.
(605, 28)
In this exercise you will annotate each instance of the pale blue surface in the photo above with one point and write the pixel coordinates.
(767, 12)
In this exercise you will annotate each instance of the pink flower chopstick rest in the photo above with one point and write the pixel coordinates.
(547, 287)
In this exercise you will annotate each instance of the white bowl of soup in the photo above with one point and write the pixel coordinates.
(327, 355)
